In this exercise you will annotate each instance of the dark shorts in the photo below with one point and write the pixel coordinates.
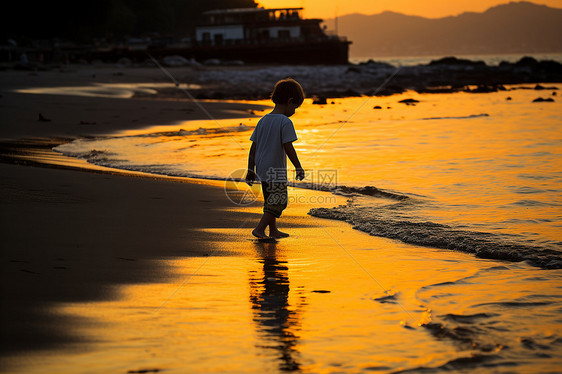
(274, 197)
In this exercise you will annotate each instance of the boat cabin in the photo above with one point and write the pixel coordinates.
(257, 26)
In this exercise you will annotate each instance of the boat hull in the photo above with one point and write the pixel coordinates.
(322, 52)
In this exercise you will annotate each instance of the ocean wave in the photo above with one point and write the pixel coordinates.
(474, 361)
(395, 220)
(199, 131)
(435, 235)
(491, 323)
(470, 333)
(95, 156)
(354, 191)
(516, 304)
(371, 191)
(390, 296)
(458, 117)
(468, 319)
(533, 203)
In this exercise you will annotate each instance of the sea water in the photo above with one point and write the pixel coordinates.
(449, 174)
(480, 173)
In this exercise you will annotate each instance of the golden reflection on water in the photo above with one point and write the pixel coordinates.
(275, 318)
(112, 90)
(316, 302)
(482, 162)
(330, 299)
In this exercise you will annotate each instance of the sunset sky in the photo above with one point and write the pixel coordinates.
(425, 8)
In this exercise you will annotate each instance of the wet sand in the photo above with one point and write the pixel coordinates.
(75, 235)
(125, 272)
(117, 273)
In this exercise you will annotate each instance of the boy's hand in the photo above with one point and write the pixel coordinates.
(250, 177)
(300, 174)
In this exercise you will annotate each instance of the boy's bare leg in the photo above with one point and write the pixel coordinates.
(265, 221)
(274, 231)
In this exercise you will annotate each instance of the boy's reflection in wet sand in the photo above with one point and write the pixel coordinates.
(269, 297)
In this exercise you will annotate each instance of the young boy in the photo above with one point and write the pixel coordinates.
(273, 140)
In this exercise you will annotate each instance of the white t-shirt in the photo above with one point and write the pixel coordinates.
(271, 132)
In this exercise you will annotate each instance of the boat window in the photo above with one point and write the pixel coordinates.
(284, 34)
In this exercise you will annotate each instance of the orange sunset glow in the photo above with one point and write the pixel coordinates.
(352, 186)
(429, 8)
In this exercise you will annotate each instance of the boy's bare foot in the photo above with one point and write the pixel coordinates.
(278, 234)
(259, 234)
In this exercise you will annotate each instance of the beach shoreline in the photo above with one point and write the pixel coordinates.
(252, 82)
(60, 216)
(82, 248)
(79, 239)
(80, 229)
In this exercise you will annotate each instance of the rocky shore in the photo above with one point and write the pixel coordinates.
(231, 80)
(439, 76)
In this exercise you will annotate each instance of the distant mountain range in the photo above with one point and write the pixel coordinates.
(517, 27)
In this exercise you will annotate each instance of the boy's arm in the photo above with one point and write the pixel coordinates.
(292, 154)
(251, 175)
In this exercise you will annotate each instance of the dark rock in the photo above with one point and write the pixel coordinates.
(456, 61)
(541, 100)
(377, 107)
(43, 119)
(538, 87)
(319, 100)
(508, 98)
(438, 90)
(409, 101)
(549, 66)
(527, 61)
(483, 88)
(373, 63)
(552, 69)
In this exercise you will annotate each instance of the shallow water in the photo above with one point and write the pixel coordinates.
(325, 300)
(478, 163)
(111, 90)
(329, 299)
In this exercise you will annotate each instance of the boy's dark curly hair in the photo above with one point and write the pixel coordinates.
(287, 89)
